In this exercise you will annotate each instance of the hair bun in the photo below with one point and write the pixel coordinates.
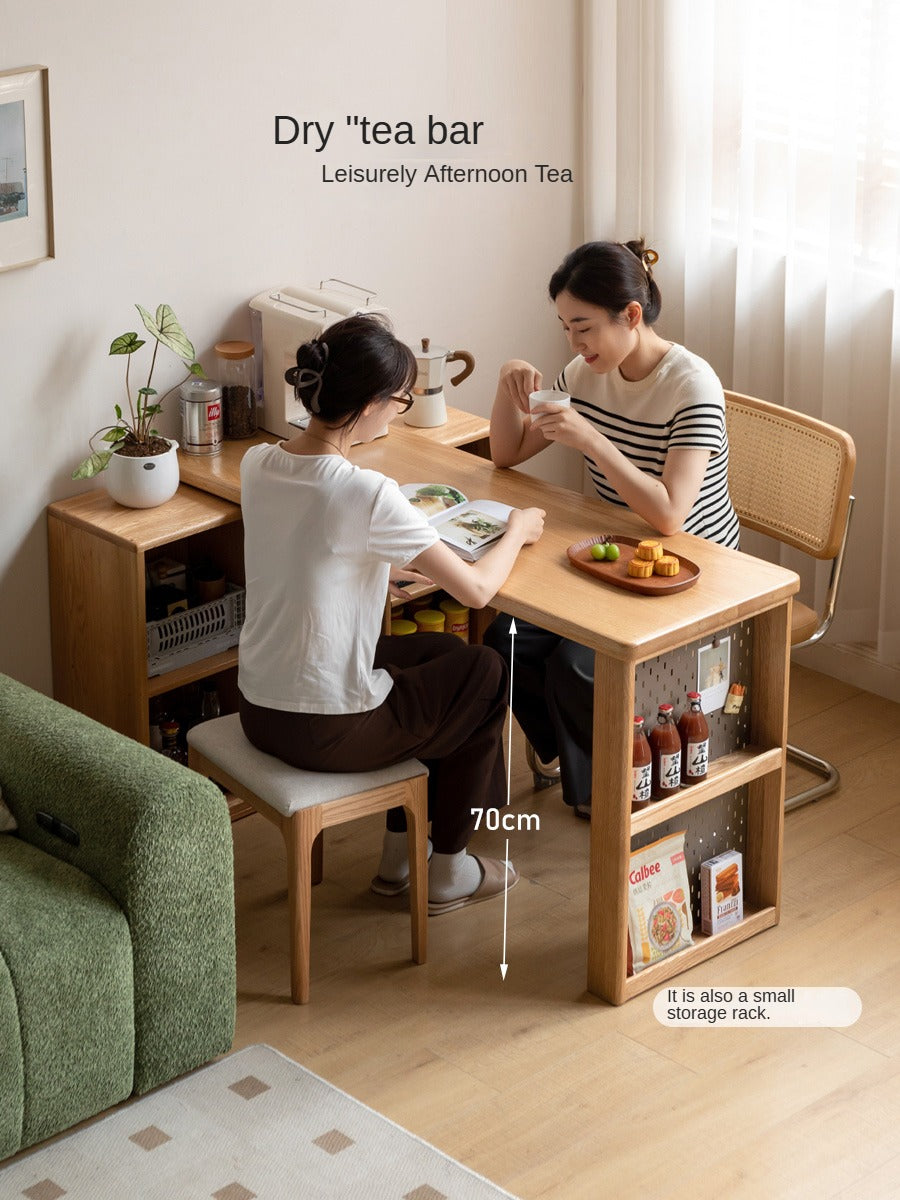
(312, 358)
(648, 258)
(312, 355)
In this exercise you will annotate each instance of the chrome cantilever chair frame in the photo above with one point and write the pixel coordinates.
(544, 776)
(831, 777)
(790, 477)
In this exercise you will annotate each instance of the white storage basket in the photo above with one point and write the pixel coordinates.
(197, 633)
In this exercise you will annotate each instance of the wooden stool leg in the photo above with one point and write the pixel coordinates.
(300, 832)
(417, 843)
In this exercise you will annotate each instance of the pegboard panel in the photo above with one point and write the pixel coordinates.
(709, 830)
(720, 824)
(671, 676)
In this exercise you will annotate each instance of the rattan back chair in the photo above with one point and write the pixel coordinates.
(790, 477)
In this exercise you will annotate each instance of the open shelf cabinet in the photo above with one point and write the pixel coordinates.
(99, 553)
(757, 767)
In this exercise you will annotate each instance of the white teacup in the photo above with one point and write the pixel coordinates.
(548, 396)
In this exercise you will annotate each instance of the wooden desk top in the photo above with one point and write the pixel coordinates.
(220, 473)
(544, 588)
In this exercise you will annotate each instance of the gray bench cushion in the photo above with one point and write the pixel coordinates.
(287, 789)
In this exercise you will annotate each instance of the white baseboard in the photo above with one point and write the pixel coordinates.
(854, 664)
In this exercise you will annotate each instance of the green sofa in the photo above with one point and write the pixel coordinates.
(117, 955)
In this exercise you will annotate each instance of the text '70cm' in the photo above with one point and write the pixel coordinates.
(493, 820)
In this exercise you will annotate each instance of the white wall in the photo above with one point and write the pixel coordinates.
(168, 186)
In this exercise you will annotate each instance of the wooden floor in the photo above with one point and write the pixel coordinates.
(550, 1092)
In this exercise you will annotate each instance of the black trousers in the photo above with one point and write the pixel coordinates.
(553, 699)
(446, 707)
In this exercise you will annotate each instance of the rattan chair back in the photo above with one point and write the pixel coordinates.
(789, 475)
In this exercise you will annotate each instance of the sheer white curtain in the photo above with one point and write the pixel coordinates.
(757, 147)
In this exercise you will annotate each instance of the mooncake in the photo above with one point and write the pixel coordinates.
(648, 550)
(667, 565)
(640, 568)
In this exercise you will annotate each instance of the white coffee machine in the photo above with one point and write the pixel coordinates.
(284, 318)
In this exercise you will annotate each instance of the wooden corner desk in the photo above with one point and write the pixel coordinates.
(624, 630)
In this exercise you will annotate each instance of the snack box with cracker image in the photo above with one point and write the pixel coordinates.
(721, 892)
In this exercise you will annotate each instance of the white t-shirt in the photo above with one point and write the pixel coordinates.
(319, 537)
(679, 405)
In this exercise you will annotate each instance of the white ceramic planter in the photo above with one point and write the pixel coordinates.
(143, 482)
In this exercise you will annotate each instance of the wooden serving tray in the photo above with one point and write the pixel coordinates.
(615, 573)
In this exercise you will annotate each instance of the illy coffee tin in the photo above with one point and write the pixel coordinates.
(201, 417)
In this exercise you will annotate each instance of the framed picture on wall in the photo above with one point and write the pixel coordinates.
(26, 201)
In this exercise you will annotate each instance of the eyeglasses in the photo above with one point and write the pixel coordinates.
(404, 401)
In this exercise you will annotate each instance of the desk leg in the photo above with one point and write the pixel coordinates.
(769, 712)
(610, 828)
(479, 619)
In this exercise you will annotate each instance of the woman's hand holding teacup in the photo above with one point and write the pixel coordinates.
(563, 424)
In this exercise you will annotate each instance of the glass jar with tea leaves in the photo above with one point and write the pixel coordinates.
(236, 370)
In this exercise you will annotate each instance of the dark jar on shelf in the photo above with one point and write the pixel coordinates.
(210, 705)
(171, 741)
(157, 716)
(235, 368)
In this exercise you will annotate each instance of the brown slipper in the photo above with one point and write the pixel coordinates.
(492, 884)
(583, 811)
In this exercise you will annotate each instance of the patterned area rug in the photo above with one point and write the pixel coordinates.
(253, 1125)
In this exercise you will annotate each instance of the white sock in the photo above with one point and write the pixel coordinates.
(452, 876)
(394, 866)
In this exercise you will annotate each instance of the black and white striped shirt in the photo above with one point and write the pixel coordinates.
(680, 405)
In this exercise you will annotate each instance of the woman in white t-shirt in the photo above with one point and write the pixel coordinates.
(649, 418)
(319, 686)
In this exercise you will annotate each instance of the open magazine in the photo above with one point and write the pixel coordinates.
(468, 527)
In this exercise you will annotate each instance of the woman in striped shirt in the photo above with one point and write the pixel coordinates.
(649, 418)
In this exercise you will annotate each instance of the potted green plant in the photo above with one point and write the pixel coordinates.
(141, 465)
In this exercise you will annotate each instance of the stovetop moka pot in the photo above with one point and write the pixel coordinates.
(430, 408)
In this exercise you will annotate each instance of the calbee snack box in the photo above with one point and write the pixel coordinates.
(721, 891)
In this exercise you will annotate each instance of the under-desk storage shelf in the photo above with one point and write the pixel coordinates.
(705, 946)
(725, 773)
(739, 805)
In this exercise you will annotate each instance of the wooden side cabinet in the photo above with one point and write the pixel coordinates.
(99, 552)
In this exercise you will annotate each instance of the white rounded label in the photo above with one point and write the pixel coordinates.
(670, 771)
(757, 1007)
(697, 759)
(641, 780)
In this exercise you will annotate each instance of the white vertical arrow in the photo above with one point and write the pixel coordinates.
(504, 965)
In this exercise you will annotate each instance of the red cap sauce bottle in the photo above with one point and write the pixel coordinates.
(641, 769)
(694, 732)
(665, 747)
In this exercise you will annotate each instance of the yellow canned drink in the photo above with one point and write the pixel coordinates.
(457, 616)
(429, 620)
(399, 627)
